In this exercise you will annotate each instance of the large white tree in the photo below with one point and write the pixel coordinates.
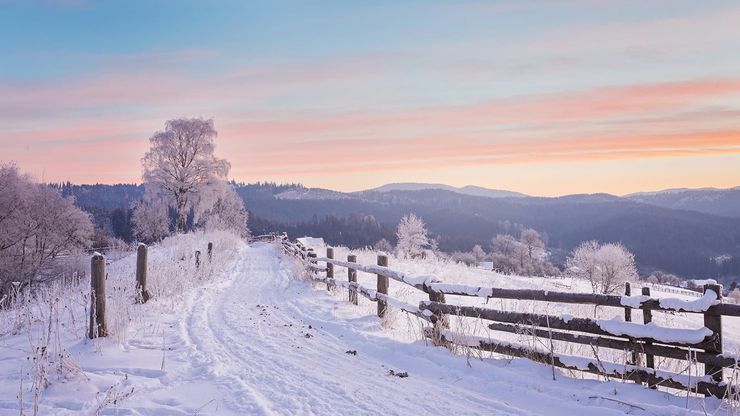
(605, 266)
(180, 165)
(412, 237)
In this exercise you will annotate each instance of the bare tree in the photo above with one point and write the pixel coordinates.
(606, 267)
(37, 226)
(533, 243)
(181, 163)
(412, 237)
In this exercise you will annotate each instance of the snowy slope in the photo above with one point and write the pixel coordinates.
(258, 341)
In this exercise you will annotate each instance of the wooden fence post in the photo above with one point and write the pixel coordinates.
(197, 259)
(352, 277)
(440, 321)
(142, 294)
(647, 317)
(329, 267)
(98, 327)
(635, 358)
(382, 286)
(714, 323)
(210, 252)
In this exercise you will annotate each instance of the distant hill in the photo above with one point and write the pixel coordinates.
(724, 202)
(466, 190)
(680, 241)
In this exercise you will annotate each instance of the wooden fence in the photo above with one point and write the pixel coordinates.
(98, 276)
(698, 345)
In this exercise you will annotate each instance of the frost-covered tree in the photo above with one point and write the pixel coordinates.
(180, 165)
(478, 253)
(383, 245)
(533, 243)
(37, 227)
(412, 237)
(605, 266)
(227, 212)
(151, 219)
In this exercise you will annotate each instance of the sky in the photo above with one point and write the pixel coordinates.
(536, 96)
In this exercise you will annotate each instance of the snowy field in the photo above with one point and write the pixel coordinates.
(246, 335)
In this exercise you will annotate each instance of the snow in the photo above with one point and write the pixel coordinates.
(257, 340)
(652, 330)
(697, 305)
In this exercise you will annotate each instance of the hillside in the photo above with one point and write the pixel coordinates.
(252, 338)
(723, 202)
(673, 240)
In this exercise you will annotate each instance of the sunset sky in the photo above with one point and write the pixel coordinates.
(541, 97)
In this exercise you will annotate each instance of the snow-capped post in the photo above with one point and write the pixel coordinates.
(647, 317)
(352, 277)
(713, 321)
(197, 259)
(210, 251)
(382, 286)
(98, 327)
(329, 267)
(142, 294)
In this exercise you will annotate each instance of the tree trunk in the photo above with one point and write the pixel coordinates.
(181, 213)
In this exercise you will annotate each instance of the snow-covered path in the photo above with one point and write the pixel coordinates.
(263, 343)
(271, 356)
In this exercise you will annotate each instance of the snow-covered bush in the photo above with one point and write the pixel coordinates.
(605, 266)
(150, 219)
(413, 240)
(227, 213)
(526, 256)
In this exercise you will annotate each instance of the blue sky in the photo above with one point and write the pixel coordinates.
(381, 91)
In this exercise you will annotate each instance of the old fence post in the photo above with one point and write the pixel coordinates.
(142, 294)
(439, 321)
(98, 327)
(382, 286)
(647, 317)
(352, 277)
(635, 357)
(329, 267)
(197, 259)
(713, 321)
(210, 252)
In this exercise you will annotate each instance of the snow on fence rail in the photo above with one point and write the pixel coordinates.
(703, 344)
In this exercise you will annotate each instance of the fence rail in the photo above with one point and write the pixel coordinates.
(701, 345)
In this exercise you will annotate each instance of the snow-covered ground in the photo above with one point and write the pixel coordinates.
(254, 339)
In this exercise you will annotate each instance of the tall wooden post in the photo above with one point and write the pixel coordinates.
(382, 286)
(210, 252)
(98, 327)
(647, 317)
(352, 277)
(713, 321)
(142, 294)
(635, 358)
(329, 267)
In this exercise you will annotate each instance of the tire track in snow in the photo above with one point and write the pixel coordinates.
(265, 364)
